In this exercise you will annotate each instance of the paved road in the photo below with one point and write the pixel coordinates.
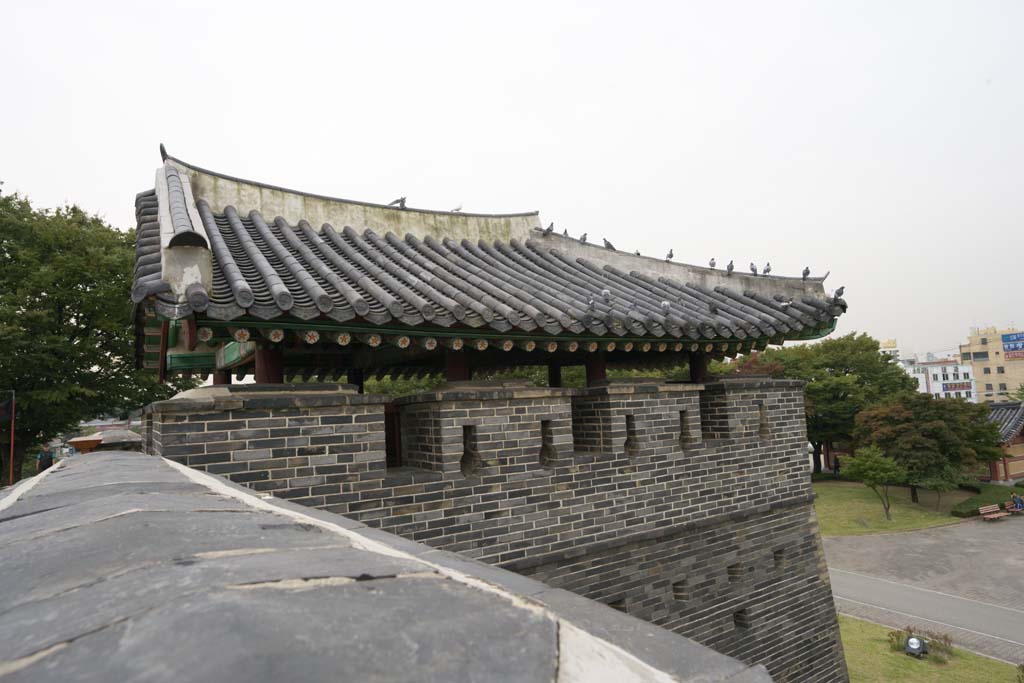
(966, 580)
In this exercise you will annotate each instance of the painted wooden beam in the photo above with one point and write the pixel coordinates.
(233, 354)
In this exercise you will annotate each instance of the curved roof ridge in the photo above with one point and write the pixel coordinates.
(314, 195)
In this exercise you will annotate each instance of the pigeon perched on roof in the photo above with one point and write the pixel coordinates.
(711, 263)
(457, 209)
(807, 272)
(607, 294)
(840, 291)
(565, 232)
(400, 203)
(583, 237)
(753, 268)
(637, 253)
(550, 229)
(786, 304)
(767, 268)
(665, 306)
(591, 304)
(669, 255)
(729, 268)
(609, 245)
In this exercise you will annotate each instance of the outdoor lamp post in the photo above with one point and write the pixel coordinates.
(916, 647)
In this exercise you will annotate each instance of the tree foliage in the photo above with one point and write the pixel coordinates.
(936, 440)
(844, 375)
(877, 472)
(66, 340)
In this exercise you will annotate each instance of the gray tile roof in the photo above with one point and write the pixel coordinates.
(119, 566)
(268, 268)
(1009, 417)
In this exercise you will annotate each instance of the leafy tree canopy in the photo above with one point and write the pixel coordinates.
(932, 438)
(877, 472)
(66, 340)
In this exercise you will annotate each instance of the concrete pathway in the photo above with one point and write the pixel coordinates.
(966, 580)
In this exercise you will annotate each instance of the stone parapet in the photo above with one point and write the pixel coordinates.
(315, 443)
(486, 430)
(564, 483)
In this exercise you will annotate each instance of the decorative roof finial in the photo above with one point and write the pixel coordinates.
(163, 152)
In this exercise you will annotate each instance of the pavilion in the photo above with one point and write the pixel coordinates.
(235, 277)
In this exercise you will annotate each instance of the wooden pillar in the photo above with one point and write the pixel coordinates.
(698, 367)
(554, 375)
(221, 377)
(356, 376)
(269, 365)
(456, 366)
(597, 368)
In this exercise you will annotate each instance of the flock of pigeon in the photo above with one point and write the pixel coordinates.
(729, 268)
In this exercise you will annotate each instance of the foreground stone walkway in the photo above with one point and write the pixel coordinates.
(123, 567)
(966, 580)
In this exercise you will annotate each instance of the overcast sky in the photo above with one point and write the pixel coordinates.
(883, 141)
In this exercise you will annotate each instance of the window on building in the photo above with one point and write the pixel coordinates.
(935, 377)
(981, 355)
(967, 375)
(1000, 370)
(1002, 386)
(988, 387)
(957, 395)
(956, 375)
(937, 395)
(945, 377)
(967, 394)
(965, 355)
(984, 340)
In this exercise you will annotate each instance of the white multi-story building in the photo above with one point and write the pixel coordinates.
(942, 374)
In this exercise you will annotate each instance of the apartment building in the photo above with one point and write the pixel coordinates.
(996, 357)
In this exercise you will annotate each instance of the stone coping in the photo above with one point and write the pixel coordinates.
(270, 396)
(484, 392)
(206, 576)
(263, 398)
(754, 382)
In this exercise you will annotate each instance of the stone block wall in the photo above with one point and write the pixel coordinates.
(319, 446)
(750, 583)
(627, 493)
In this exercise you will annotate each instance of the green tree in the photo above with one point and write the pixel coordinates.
(66, 340)
(934, 439)
(1019, 394)
(877, 472)
(844, 375)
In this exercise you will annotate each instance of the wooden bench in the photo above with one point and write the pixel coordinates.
(1009, 507)
(991, 513)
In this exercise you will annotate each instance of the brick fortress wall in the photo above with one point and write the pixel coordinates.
(684, 505)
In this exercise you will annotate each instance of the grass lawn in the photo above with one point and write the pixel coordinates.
(848, 508)
(870, 660)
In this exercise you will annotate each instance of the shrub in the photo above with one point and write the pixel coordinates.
(988, 494)
(897, 640)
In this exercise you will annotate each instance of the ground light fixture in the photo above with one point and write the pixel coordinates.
(916, 647)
